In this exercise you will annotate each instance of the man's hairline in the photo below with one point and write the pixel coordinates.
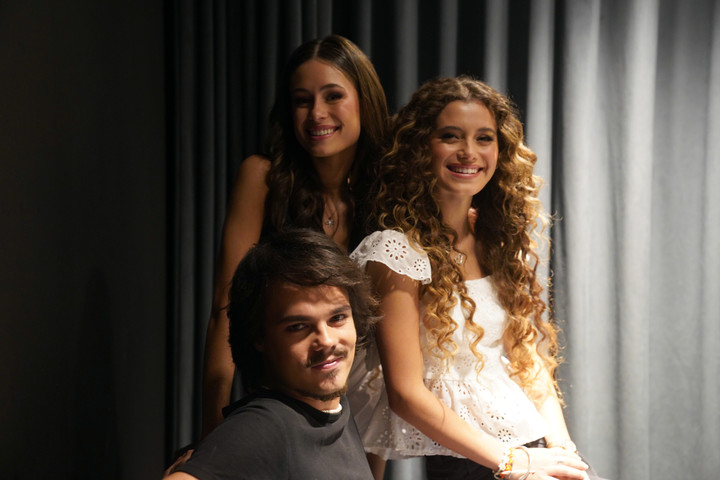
(266, 303)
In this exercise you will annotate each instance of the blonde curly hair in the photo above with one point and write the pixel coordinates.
(508, 216)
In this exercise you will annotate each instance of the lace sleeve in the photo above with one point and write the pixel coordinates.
(392, 249)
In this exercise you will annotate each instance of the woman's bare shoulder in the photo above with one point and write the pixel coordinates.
(255, 166)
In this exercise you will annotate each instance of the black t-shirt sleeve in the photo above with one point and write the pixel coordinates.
(250, 445)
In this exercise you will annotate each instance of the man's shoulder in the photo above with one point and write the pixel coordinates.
(250, 443)
(259, 401)
(255, 410)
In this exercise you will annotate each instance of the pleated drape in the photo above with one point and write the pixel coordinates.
(621, 102)
(634, 182)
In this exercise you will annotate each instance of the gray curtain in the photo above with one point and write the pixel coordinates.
(635, 175)
(620, 100)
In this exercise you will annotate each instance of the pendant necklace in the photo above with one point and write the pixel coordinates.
(458, 257)
(331, 213)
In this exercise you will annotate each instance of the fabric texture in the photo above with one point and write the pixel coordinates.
(270, 435)
(489, 401)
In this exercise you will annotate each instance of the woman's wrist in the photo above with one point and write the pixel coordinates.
(528, 470)
(567, 445)
(506, 464)
(510, 469)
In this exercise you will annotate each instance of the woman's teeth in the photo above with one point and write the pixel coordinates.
(321, 132)
(465, 170)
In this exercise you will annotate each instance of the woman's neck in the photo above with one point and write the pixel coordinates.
(337, 210)
(333, 174)
(455, 214)
(458, 215)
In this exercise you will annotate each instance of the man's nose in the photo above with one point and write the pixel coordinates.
(323, 336)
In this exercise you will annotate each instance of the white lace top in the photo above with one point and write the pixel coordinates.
(490, 401)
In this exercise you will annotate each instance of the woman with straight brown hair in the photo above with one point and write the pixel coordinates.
(326, 128)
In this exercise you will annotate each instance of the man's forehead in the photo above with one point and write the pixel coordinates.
(285, 299)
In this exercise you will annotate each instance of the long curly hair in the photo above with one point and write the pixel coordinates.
(509, 217)
(295, 190)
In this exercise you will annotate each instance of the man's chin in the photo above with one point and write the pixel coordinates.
(327, 396)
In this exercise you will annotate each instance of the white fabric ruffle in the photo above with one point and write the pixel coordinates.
(393, 249)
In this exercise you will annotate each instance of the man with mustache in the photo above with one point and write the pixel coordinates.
(298, 309)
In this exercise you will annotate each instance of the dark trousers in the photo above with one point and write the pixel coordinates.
(440, 467)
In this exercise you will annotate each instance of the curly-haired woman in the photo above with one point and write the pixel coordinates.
(468, 356)
(327, 125)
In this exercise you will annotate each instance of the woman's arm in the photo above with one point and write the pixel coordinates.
(548, 404)
(558, 436)
(179, 476)
(241, 231)
(398, 340)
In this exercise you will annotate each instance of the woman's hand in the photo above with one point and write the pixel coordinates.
(547, 464)
(179, 461)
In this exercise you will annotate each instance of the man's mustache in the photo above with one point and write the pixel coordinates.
(320, 357)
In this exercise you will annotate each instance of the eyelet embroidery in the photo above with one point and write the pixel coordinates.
(485, 411)
(395, 249)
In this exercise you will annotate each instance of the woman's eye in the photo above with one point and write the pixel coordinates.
(449, 136)
(485, 138)
(334, 96)
(300, 101)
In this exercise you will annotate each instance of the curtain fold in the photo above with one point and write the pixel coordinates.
(608, 74)
(685, 83)
(583, 276)
(621, 102)
(448, 41)
(496, 44)
(709, 368)
(406, 53)
(637, 105)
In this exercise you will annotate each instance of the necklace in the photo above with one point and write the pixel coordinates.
(458, 257)
(332, 212)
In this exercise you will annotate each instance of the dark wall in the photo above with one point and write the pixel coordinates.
(82, 239)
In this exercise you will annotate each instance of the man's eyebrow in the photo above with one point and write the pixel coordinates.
(341, 309)
(345, 308)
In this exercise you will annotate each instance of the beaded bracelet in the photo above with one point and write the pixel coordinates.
(505, 465)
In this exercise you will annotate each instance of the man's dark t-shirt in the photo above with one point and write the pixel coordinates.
(269, 435)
